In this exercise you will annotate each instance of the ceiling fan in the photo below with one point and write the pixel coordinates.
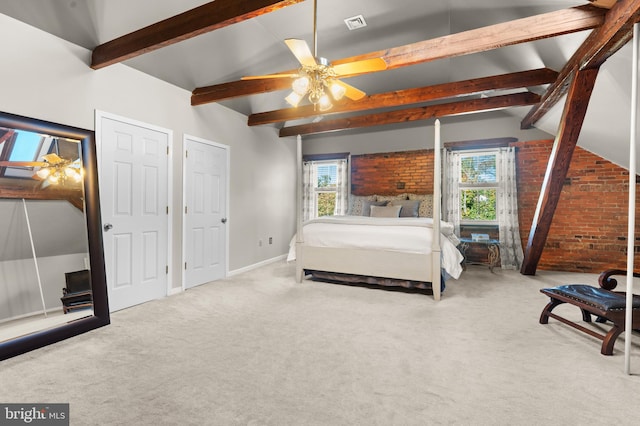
(53, 170)
(317, 78)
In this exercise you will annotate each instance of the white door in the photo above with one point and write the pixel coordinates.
(133, 196)
(205, 233)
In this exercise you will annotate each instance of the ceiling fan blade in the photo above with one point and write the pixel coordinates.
(258, 77)
(360, 67)
(350, 91)
(23, 164)
(301, 51)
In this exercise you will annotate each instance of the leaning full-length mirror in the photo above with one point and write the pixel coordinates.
(52, 279)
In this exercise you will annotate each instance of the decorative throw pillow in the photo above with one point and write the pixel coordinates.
(409, 207)
(426, 204)
(386, 211)
(355, 203)
(391, 197)
(366, 206)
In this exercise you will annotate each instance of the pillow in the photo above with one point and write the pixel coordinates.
(366, 206)
(391, 197)
(426, 204)
(409, 207)
(386, 211)
(355, 203)
(426, 208)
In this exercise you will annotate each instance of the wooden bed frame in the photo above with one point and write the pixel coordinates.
(375, 263)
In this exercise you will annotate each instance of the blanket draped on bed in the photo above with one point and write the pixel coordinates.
(407, 234)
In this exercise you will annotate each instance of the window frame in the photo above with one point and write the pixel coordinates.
(322, 189)
(462, 186)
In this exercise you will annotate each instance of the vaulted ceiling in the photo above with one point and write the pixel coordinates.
(517, 48)
(538, 60)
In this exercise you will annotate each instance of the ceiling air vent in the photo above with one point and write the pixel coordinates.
(355, 22)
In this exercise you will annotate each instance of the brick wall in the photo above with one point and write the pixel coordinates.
(381, 173)
(589, 228)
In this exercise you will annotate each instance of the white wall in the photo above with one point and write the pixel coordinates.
(19, 291)
(48, 78)
(420, 135)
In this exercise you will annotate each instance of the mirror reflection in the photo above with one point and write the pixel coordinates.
(44, 256)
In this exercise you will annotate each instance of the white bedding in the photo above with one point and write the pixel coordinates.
(407, 234)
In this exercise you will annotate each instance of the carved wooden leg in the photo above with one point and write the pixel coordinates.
(586, 316)
(544, 316)
(610, 340)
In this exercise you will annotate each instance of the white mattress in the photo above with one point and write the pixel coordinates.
(408, 235)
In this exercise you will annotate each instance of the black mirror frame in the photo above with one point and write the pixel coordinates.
(20, 345)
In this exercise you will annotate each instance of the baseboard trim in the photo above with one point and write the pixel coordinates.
(174, 291)
(256, 265)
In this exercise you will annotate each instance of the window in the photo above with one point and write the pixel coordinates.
(26, 147)
(478, 184)
(325, 188)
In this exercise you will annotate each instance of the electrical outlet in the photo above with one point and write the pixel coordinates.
(270, 240)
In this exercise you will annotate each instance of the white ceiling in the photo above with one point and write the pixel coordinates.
(256, 47)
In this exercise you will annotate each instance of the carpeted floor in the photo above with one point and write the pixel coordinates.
(260, 349)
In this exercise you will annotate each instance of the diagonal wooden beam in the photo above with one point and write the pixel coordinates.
(208, 17)
(523, 30)
(559, 161)
(515, 80)
(414, 114)
(603, 42)
(607, 4)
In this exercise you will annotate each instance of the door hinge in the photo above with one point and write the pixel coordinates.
(185, 265)
(186, 154)
(167, 209)
(166, 269)
(185, 209)
(167, 149)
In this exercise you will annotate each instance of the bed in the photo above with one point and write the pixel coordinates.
(376, 251)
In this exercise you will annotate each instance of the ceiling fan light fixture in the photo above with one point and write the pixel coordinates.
(337, 91)
(293, 99)
(72, 173)
(54, 178)
(324, 103)
(301, 85)
(43, 173)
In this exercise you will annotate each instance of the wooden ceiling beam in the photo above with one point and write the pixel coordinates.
(236, 89)
(200, 20)
(558, 167)
(34, 193)
(414, 114)
(524, 79)
(603, 42)
(523, 30)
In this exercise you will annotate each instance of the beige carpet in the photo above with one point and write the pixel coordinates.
(259, 349)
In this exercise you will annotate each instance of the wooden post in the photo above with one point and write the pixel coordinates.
(437, 203)
(299, 231)
(632, 204)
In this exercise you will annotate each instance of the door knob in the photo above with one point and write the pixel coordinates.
(107, 226)
(223, 220)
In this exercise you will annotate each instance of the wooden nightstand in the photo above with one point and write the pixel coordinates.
(493, 251)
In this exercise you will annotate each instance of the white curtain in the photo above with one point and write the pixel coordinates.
(308, 184)
(511, 253)
(451, 189)
(342, 187)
